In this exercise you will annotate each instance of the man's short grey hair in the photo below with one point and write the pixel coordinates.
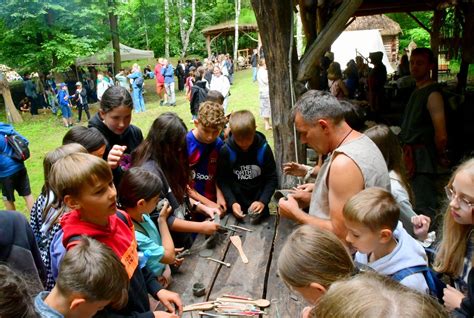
(315, 104)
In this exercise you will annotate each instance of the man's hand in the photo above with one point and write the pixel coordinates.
(115, 154)
(302, 196)
(289, 208)
(452, 298)
(294, 169)
(308, 187)
(257, 207)
(168, 299)
(237, 211)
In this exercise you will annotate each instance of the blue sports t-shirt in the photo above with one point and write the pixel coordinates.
(203, 163)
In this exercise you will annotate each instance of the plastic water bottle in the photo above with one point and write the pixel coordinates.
(143, 258)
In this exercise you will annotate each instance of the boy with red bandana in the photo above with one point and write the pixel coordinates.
(85, 184)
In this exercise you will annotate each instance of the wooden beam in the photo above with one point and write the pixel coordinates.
(328, 35)
(208, 45)
(419, 23)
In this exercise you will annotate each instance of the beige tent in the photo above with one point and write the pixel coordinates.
(105, 56)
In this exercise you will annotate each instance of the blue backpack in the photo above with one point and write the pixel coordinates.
(435, 285)
(139, 82)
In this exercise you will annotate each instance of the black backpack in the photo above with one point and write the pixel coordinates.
(139, 82)
(198, 95)
(19, 146)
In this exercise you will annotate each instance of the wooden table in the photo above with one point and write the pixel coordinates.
(257, 279)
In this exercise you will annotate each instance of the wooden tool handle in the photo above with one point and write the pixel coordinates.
(238, 245)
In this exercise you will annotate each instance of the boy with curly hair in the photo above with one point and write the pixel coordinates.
(204, 145)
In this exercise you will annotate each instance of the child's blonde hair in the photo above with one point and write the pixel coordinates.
(370, 295)
(71, 173)
(49, 160)
(374, 208)
(90, 266)
(242, 123)
(311, 255)
(211, 115)
(453, 246)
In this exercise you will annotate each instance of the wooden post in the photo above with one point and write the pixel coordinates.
(434, 41)
(467, 56)
(115, 36)
(328, 35)
(276, 38)
(208, 45)
(13, 115)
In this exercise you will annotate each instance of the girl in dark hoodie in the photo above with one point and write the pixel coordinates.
(113, 122)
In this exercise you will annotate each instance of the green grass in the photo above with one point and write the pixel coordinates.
(45, 132)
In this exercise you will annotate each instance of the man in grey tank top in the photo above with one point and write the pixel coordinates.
(353, 163)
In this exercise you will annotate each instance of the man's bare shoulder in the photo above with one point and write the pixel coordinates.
(342, 162)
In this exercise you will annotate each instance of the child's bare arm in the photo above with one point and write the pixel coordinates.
(193, 194)
(206, 227)
(168, 245)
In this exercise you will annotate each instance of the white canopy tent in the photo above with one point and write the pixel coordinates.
(105, 56)
(363, 42)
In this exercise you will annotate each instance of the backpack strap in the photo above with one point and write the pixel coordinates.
(232, 155)
(434, 283)
(123, 218)
(405, 272)
(139, 227)
(261, 154)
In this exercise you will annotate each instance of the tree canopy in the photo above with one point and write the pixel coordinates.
(43, 36)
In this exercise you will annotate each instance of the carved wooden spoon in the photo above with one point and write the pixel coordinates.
(258, 302)
(238, 245)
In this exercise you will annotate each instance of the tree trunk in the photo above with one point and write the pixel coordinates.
(185, 35)
(115, 36)
(167, 29)
(276, 38)
(236, 28)
(13, 116)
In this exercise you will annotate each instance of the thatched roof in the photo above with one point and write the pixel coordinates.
(8, 74)
(381, 22)
(229, 27)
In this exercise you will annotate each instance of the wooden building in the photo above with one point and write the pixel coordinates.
(389, 30)
(228, 28)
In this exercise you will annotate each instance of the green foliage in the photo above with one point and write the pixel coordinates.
(42, 36)
(412, 30)
(46, 35)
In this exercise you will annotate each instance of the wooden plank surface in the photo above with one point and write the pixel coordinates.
(284, 302)
(247, 280)
(197, 269)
